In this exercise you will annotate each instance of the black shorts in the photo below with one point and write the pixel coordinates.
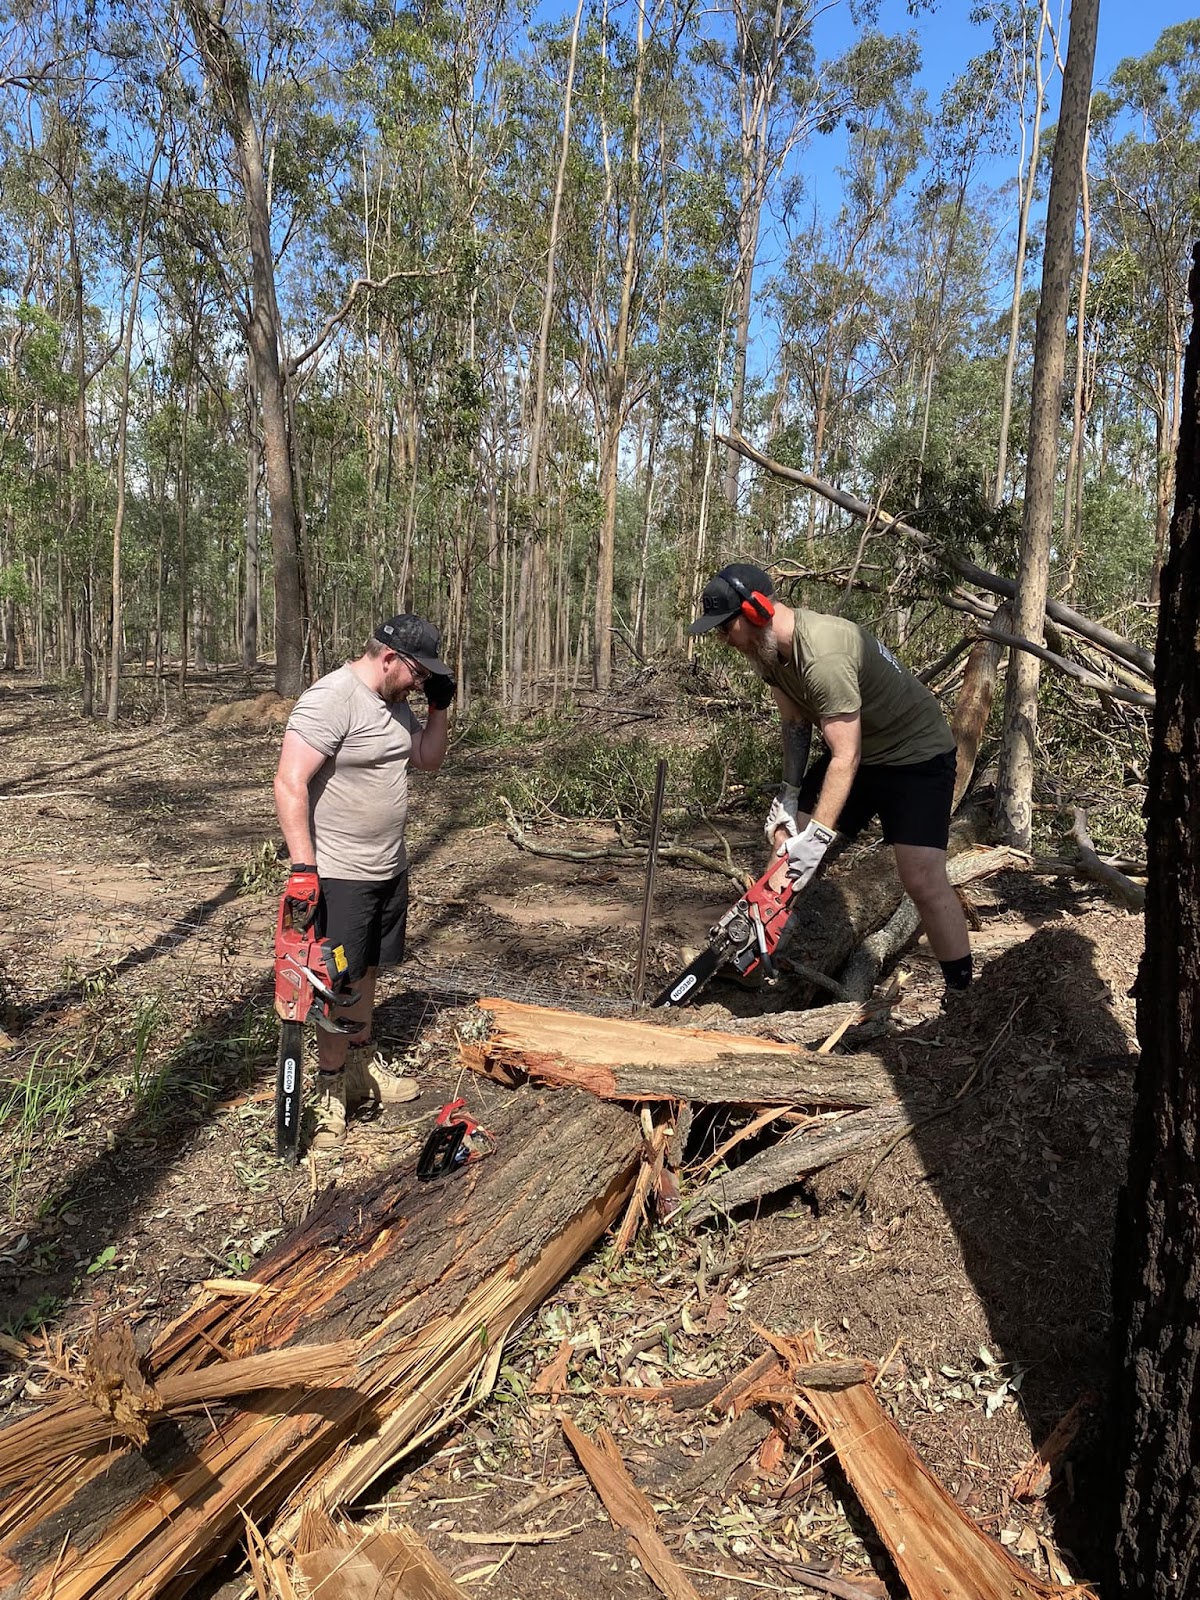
(912, 803)
(368, 919)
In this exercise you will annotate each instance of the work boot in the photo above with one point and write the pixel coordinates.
(330, 1112)
(370, 1080)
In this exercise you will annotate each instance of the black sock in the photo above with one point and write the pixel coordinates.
(957, 973)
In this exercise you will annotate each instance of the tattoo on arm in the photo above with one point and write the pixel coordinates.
(797, 736)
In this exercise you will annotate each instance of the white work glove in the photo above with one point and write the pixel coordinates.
(805, 852)
(783, 812)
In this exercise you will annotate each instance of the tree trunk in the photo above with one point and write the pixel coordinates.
(1027, 188)
(250, 599)
(1014, 799)
(1072, 534)
(532, 484)
(230, 84)
(114, 654)
(428, 1279)
(1157, 1291)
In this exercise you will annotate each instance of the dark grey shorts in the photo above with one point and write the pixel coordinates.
(912, 802)
(367, 919)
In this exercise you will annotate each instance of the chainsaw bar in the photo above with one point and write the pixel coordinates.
(289, 1092)
(693, 977)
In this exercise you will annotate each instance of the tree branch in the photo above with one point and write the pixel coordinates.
(1099, 635)
(333, 322)
(1072, 670)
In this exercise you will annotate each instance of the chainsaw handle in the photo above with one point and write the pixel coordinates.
(301, 893)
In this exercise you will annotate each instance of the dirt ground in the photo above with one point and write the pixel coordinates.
(136, 1067)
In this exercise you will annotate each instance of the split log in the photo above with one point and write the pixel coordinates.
(859, 1022)
(796, 1157)
(863, 968)
(629, 1510)
(1126, 891)
(427, 1279)
(937, 1549)
(341, 1563)
(628, 1060)
(118, 1403)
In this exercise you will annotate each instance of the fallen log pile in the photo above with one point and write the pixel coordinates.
(390, 1306)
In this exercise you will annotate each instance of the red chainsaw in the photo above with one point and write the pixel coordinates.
(745, 938)
(310, 985)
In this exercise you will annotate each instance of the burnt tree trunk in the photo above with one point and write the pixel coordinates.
(1157, 1285)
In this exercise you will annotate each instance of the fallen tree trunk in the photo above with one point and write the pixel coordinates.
(1091, 866)
(628, 1060)
(805, 1152)
(868, 961)
(837, 912)
(427, 1279)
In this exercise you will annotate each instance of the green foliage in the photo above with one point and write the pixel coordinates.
(946, 497)
(265, 873)
(587, 774)
(742, 754)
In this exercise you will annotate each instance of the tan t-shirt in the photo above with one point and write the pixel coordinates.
(838, 668)
(358, 801)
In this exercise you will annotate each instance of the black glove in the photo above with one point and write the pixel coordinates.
(440, 689)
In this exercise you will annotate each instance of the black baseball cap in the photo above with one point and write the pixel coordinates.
(413, 636)
(723, 594)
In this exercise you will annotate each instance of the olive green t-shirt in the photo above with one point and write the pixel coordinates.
(358, 801)
(838, 668)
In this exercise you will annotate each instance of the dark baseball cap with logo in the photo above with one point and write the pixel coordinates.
(414, 637)
(725, 594)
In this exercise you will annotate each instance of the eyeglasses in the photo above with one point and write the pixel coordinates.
(419, 672)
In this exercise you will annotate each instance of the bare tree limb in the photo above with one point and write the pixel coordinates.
(1129, 893)
(335, 320)
(1071, 669)
(1099, 635)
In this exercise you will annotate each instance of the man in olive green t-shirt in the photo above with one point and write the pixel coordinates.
(889, 750)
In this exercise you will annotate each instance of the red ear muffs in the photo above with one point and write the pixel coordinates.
(757, 608)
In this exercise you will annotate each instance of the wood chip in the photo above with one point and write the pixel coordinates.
(629, 1509)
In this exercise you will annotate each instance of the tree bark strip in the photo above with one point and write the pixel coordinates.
(785, 1164)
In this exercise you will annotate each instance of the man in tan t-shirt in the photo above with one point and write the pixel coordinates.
(341, 794)
(889, 750)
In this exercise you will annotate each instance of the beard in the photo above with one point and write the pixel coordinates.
(394, 690)
(762, 651)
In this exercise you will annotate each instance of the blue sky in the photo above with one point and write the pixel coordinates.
(948, 41)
